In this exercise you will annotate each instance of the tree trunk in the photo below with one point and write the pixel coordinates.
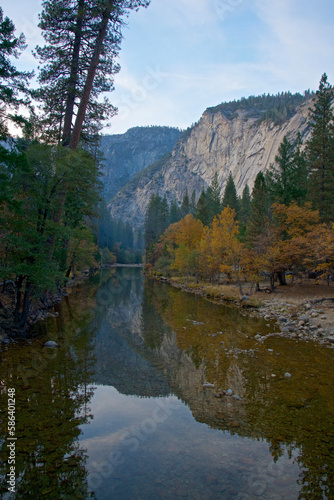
(75, 136)
(26, 304)
(69, 110)
(18, 299)
(272, 282)
(281, 277)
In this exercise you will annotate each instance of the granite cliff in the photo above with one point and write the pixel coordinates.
(240, 142)
(127, 154)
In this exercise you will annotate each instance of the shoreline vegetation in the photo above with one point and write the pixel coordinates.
(302, 311)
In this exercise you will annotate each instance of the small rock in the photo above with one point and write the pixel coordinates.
(235, 396)
(282, 319)
(207, 385)
(229, 392)
(50, 343)
(308, 306)
(305, 318)
(287, 375)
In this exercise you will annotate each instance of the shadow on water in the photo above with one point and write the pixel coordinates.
(119, 410)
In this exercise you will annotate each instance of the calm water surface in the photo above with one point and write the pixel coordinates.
(119, 411)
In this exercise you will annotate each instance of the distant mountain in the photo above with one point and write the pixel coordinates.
(241, 137)
(129, 153)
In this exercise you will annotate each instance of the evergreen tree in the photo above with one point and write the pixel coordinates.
(185, 205)
(245, 210)
(13, 83)
(215, 199)
(193, 204)
(155, 220)
(320, 152)
(164, 216)
(260, 211)
(203, 209)
(245, 205)
(301, 173)
(175, 213)
(230, 197)
(209, 203)
(82, 41)
(287, 179)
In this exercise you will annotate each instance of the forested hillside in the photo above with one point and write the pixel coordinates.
(240, 138)
(285, 224)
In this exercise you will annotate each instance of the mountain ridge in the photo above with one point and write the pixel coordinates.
(127, 154)
(242, 143)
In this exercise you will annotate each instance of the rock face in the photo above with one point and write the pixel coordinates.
(217, 143)
(129, 153)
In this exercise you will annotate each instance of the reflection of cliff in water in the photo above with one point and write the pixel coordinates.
(207, 342)
(160, 340)
(117, 333)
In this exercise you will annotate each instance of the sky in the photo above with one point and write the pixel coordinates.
(179, 57)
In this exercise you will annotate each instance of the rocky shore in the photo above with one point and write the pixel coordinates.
(301, 312)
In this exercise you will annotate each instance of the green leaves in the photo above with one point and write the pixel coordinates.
(320, 152)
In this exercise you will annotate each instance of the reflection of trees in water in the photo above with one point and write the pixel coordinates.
(295, 417)
(52, 397)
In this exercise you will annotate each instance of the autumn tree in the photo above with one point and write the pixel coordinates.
(292, 244)
(182, 240)
(220, 249)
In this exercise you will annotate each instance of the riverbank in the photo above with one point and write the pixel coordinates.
(302, 311)
(39, 310)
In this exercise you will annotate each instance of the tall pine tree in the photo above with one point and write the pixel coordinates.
(320, 152)
(287, 179)
(78, 64)
(260, 211)
(230, 197)
(13, 83)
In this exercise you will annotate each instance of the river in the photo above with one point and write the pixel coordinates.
(123, 408)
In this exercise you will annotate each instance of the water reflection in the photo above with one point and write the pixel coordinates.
(120, 411)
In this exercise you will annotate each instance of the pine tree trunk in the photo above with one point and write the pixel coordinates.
(73, 75)
(75, 136)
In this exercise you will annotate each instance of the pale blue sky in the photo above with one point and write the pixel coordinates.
(179, 57)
